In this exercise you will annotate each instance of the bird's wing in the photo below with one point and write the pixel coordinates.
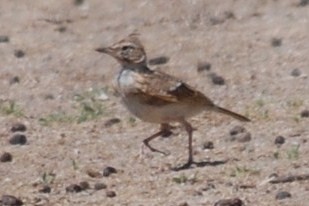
(159, 88)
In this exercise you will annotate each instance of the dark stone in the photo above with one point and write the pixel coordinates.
(273, 175)
(49, 96)
(304, 113)
(295, 72)
(61, 29)
(10, 200)
(18, 127)
(6, 157)
(84, 185)
(14, 80)
(73, 188)
(107, 171)
(100, 186)
(110, 193)
(239, 133)
(45, 189)
(303, 3)
(283, 195)
(111, 122)
(230, 202)
(4, 38)
(216, 20)
(229, 15)
(18, 139)
(216, 79)
(183, 204)
(208, 145)
(19, 53)
(203, 66)
(276, 42)
(78, 2)
(279, 140)
(237, 129)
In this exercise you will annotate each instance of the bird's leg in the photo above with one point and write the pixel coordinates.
(190, 161)
(164, 129)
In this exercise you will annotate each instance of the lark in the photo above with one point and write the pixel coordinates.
(156, 97)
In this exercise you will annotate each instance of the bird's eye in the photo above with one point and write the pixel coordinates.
(125, 48)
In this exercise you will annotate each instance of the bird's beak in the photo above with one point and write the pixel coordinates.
(106, 50)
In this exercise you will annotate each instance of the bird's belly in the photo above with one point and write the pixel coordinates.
(162, 113)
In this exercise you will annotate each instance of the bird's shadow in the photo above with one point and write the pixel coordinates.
(200, 164)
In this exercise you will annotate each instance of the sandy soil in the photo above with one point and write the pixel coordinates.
(57, 89)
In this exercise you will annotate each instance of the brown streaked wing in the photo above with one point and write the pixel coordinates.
(159, 88)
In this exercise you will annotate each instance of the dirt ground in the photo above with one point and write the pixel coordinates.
(53, 82)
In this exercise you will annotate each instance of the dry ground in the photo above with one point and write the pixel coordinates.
(62, 81)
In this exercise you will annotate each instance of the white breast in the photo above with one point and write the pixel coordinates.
(127, 81)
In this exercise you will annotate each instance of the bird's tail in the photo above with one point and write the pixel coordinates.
(232, 114)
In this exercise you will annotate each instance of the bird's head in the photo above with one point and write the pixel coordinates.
(128, 51)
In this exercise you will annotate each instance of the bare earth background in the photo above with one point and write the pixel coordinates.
(57, 89)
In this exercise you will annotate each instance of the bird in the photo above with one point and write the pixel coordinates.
(157, 97)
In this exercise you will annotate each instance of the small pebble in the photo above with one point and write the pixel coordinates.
(78, 2)
(239, 133)
(4, 38)
(216, 79)
(216, 20)
(276, 42)
(6, 157)
(102, 96)
(158, 60)
(242, 137)
(273, 175)
(183, 204)
(18, 139)
(237, 129)
(229, 15)
(230, 202)
(283, 195)
(45, 189)
(304, 113)
(73, 188)
(18, 127)
(100, 186)
(279, 140)
(10, 200)
(110, 193)
(208, 145)
(84, 185)
(203, 66)
(93, 173)
(295, 73)
(19, 53)
(303, 3)
(49, 96)
(61, 29)
(111, 122)
(107, 171)
(14, 80)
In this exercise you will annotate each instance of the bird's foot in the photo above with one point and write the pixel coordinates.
(187, 165)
